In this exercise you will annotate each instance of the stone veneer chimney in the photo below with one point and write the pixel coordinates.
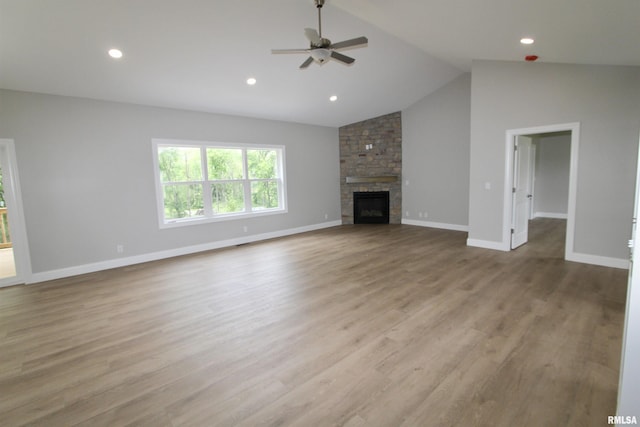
(371, 160)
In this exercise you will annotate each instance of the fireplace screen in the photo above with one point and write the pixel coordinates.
(371, 207)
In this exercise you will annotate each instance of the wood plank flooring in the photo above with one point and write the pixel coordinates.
(354, 325)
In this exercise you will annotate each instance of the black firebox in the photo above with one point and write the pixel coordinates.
(371, 207)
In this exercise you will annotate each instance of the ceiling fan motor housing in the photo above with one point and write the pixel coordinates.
(322, 43)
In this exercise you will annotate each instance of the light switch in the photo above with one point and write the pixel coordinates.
(487, 185)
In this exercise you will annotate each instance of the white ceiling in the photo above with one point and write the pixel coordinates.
(197, 54)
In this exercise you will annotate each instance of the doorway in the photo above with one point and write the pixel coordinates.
(14, 259)
(520, 203)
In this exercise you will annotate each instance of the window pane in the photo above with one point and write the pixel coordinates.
(179, 164)
(264, 195)
(183, 201)
(263, 164)
(227, 197)
(224, 163)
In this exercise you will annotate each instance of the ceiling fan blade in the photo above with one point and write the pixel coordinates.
(306, 63)
(342, 58)
(357, 42)
(313, 36)
(289, 50)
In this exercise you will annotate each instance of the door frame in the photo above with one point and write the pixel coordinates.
(17, 224)
(511, 134)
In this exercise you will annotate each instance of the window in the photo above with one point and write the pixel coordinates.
(207, 181)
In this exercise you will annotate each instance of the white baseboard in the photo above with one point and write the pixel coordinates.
(154, 256)
(598, 260)
(575, 257)
(430, 224)
(555, 215)
(488, 244)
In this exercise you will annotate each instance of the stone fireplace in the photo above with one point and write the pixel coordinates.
(371, 161)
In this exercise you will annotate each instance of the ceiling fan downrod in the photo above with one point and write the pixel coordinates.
(319, 4)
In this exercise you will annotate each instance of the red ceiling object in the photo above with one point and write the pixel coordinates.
(531, 58)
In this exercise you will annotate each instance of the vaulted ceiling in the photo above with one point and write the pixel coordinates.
(198, 54)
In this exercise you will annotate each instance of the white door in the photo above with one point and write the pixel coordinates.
(629, 384)
(522, 186)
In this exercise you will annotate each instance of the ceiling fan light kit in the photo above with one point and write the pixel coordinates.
(320, 55)
(321, 49)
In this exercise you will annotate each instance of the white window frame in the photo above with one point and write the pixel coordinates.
(209, 216)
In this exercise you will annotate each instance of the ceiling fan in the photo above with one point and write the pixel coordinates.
(321, 49)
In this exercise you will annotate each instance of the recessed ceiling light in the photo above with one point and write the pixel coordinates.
(115, 53)
(526, 40)
(251, 81)
(333, 98)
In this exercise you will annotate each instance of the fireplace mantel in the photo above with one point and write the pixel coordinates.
(364, 179)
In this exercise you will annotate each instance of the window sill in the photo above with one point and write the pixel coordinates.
(183, 222)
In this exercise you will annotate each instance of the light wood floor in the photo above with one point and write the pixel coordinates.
(354, 325)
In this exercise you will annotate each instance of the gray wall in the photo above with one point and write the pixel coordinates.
(551, 190)
(606, 102)
(435, 152)
(87, 177)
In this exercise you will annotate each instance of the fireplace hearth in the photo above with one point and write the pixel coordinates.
(371, 207)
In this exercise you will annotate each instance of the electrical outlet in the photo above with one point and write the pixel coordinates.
(245, 228)
(326, 216)
(119, 248)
